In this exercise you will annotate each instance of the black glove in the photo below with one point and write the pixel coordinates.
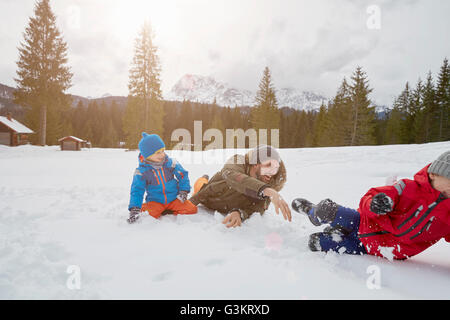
(134, 214)
(381, 204)
(182, 196)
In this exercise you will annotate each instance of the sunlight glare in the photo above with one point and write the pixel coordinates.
(129, 16)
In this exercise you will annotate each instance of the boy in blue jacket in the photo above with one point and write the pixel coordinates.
(165, 181)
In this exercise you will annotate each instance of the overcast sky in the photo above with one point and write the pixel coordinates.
(310, 45)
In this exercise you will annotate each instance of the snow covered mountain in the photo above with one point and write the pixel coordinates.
(205, 89)
(106, 95)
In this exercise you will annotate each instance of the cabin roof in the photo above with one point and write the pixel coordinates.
(15, 125)
(71, 138)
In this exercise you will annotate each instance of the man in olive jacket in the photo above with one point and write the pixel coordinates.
(246, 184)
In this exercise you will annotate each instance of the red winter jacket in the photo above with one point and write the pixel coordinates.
(421, 217)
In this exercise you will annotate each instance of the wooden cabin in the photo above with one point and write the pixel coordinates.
(72, 143)
(12, 132)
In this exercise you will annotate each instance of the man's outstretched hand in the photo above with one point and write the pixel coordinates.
(279, 203)
(233, 219)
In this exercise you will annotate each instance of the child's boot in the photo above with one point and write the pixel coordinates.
(324, 212)
(314, 241)
(329, 235)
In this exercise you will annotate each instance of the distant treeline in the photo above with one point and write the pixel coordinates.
(418, 115)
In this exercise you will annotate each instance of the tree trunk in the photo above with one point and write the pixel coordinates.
(146, 113)
(43, 126)
(352, 143)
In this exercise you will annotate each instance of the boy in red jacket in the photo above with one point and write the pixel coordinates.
(396, 221)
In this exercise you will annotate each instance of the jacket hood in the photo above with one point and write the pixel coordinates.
(423, 180)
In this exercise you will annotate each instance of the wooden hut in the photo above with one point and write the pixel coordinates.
(72, 143)
(12, 132)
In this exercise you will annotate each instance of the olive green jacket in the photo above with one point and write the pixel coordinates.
(233, 188)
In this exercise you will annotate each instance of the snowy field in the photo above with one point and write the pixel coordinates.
(64, 209)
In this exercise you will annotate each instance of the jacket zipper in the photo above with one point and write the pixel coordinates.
(425, 227)
(163, 188)
(415, 214)
(157, 180)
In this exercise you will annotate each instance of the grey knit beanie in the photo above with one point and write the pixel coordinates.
(441, 166)
(262, 153)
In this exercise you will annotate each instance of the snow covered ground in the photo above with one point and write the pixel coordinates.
(63, 219)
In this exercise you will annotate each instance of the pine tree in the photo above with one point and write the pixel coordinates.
(363, 114)
(217, 123)
(311, 119)
(403, 106)
(394, 125)
(228, 118)
(132, 122)
(170, 122)
(116, 116)
(340, 129)
(417, 113)
(429, 108)
(109, 136)
(95, 121)
(237, 118)
(186, 117)
(144, 109)
(441, 115)
(320, 127)
(265, 115)
(43, 75)
(78, 119)
(303, 127)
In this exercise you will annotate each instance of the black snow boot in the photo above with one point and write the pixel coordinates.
(338, 230)
(337, 234)
(324, 212)
(305, 206)
(314, 241)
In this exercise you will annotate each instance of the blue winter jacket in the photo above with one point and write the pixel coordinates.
(162, 185)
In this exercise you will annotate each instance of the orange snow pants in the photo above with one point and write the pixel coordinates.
(155, 209)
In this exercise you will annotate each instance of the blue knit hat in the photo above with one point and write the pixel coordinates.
(149, 144)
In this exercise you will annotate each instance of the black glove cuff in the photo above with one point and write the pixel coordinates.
(261, 192)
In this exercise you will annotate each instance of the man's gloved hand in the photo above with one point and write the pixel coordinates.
(381, 204)
(134, 214)
(182, 196)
